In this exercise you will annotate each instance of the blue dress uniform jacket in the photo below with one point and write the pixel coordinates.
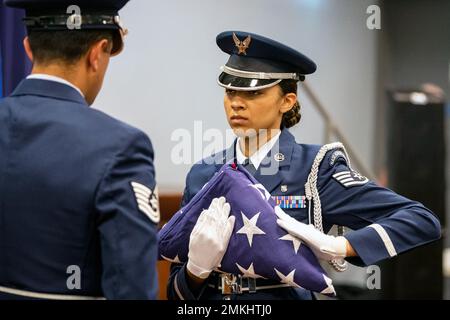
(67, 199)
(384, 223)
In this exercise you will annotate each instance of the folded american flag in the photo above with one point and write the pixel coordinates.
(258, 247)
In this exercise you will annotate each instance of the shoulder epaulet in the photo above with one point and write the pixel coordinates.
(338, 155)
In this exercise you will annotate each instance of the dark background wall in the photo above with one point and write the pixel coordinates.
(413, 49)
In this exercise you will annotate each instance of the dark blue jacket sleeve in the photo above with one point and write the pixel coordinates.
(186, 193)
(178, 286)
(128, 208)
(384, 223)
(196, 178)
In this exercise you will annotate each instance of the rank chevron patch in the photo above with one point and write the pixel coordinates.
(350, 178)
(147, 201)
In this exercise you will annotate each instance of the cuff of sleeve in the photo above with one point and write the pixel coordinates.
(372, 244)
(181, 286)
(196, 270)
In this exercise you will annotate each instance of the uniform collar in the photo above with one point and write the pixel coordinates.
(259, 155)
(50, 89)
(277, 161)
(281, 150)
(283, 146)
(49, 77)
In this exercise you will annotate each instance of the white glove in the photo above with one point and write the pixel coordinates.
(325, 247)
(209, 238)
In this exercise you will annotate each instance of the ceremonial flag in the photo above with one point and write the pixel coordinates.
(258, 247)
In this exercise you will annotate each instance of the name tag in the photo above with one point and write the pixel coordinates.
(290, 202)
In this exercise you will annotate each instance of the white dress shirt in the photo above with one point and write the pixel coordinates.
(259, 155)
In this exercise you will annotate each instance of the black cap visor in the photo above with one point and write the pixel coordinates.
(231, 82)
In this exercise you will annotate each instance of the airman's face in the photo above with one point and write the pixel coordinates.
(250, 111)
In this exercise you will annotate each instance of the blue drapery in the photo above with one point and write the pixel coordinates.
(1, 73)
(15, 65)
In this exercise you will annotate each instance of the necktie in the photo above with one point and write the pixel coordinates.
(248, 165)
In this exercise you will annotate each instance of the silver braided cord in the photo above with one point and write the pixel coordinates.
(259, 75)
(312, 194)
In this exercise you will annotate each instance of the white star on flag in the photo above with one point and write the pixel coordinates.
(250, 272)
(175, 260)
(250, 227)
(289, 279)
(295, 241)
(330, 288)
(260, 188)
